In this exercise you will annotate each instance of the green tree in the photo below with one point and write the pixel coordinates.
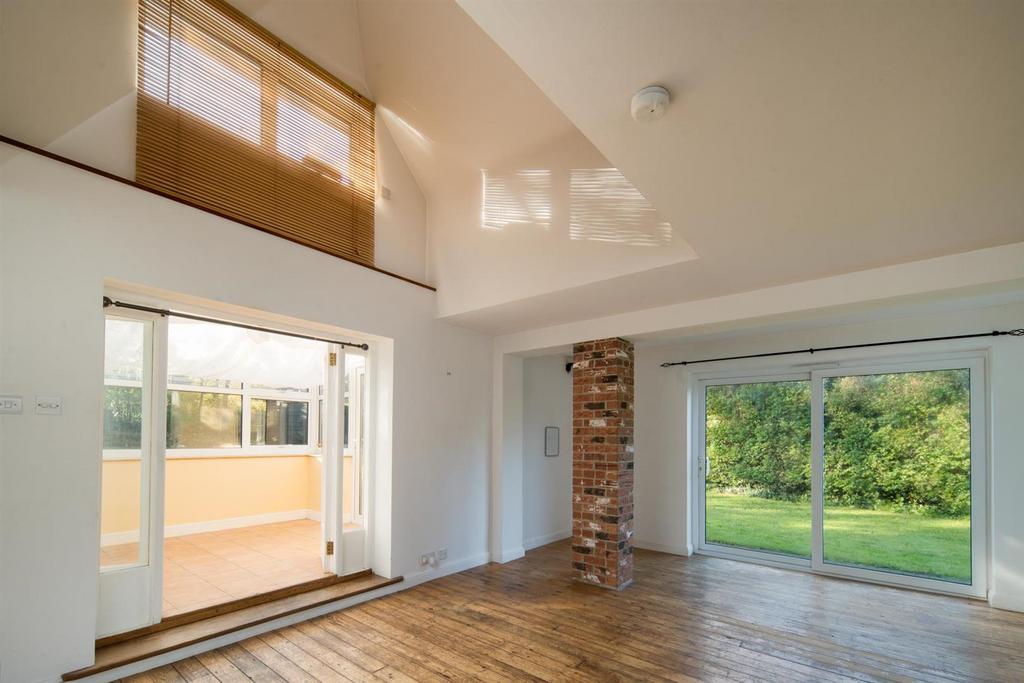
(898, 440)
(758, 438)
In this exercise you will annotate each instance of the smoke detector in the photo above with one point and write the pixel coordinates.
(649, 104)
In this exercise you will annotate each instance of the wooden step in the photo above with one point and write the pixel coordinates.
(149, 643)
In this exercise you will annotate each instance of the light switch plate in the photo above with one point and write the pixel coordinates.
(10, 405)
(48, 405)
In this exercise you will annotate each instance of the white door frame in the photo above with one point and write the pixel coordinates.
(131, 597)
(972, 360)
(332, 471)
(703, 381)
(978, 587)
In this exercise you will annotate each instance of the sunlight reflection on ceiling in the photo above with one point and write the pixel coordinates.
(605, 207)
(410, 132)
(519, 197)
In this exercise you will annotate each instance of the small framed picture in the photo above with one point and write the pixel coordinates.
(551, 442)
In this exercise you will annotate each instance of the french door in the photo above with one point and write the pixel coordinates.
(135, 441)
(332, 478)
(131, 576)
(874, 471)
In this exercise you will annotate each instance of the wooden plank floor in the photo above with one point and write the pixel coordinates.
(184, 630)
(684, 619)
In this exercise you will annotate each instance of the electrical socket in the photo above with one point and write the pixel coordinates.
(10, 404)
(427, 559)
(442, 554)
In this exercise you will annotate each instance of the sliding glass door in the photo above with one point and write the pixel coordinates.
(901, 449)
(757, 466)
(869, 471)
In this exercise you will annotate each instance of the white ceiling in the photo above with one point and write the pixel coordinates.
(805, 138)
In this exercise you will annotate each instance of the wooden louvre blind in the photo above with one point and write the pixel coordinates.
(233, 120)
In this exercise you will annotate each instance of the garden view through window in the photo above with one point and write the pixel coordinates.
(896, 470)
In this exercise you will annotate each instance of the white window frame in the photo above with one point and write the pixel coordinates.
(974, 360)
(246, 450)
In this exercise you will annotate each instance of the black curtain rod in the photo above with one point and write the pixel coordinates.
(994, 333)
(107, 302)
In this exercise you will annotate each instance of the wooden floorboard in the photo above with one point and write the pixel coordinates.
(151, 644)
(684, 619)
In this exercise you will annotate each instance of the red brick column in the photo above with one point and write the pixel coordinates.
(602, 463)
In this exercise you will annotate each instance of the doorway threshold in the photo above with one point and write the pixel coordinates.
(186, 629)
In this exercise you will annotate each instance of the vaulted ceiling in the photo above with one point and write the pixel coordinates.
(804, 139)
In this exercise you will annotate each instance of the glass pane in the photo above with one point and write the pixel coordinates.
(123, 350)
(203, 420)
(758, 469)
(121, 494)
(312, 137)
(267, 387)
(320, 424)
(898, 473)
(279, 423)
(203, 355)
(344, 416)
(122, 417)
(209, 79)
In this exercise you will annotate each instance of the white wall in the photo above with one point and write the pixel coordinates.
(547, 482)
(662, 503)
(62, 233)
(78, 97)
(506, 522)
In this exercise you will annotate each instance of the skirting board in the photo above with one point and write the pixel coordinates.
(408, 582)
(119, 537)
(1007, 601)
(663, 548)
(538, 541)
(508, 554)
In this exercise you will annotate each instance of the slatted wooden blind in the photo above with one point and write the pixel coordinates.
(232, 119)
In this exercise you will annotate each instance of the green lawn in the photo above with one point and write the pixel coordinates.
(881, 539)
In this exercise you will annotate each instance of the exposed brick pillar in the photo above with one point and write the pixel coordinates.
(602, 463)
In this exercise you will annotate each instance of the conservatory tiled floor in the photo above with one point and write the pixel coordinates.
(210, 568)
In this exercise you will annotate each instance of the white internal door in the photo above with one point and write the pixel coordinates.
(132, 472)
(357, 447)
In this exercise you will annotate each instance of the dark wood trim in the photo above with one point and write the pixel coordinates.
(230, 606)
(153, 644)
(131, 183)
